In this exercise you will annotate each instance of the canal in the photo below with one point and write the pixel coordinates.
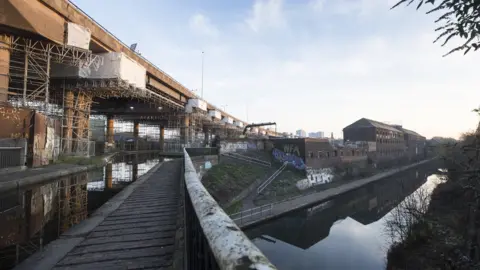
(37, 215)
(349, 232)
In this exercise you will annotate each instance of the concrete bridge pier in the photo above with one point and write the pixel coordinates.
(206, 136)
(162, 138)
(184, 130)
(135, 168)
(110, 132)
(75, 135)
(5, 43)
(68, 122)
(109, 176)
(136, 131)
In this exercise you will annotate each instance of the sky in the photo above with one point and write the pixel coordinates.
(317, 65)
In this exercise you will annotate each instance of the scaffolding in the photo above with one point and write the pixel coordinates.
(29, 69)
(30, 86)
(72, 201)
(70, 99)
(41, 214)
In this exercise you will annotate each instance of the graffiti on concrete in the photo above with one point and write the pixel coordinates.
(251, 145)
(316, 177)
(227, 147)
(291, 149)
(294, 160)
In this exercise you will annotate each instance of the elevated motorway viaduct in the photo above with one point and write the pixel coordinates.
(33, 35)
(47, 19)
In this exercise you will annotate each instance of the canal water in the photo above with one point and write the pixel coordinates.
(349, 232)
(37, 215)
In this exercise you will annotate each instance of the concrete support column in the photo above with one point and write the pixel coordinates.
(206, 137)
(109, 176)
(68, 122)
(80, 132)
(110, 132)
(5, 43)
(184, 130)
(135, 168)
(136, 131)
(162, 138)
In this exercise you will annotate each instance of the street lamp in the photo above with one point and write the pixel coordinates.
(202, 70)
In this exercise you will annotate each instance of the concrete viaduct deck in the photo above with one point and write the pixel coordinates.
(47, 19)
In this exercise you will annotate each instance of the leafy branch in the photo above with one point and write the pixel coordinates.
(459, 18)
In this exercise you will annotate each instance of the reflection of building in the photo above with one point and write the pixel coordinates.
(318, 134)
(46, 212)
(301, 133)
(366, 205)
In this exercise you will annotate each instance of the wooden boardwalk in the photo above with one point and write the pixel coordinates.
(138, 234)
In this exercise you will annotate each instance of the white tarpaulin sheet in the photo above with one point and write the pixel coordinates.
(77, 36)
(118, 65)
(115, 66)
(195, 103)
(228, 120)
(254, 130)
(65, 71)
(215, 114)
(239, 124)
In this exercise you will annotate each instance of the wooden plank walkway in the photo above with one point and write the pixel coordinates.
(139, 234)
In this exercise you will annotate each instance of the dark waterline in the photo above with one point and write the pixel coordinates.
(50, 209)
(345, 233)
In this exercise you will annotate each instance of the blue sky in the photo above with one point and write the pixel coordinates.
(311, 64)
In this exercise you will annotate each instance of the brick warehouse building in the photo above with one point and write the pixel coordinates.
(391, 142)
(318, 153)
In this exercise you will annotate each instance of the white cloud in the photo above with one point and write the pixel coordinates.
(201, 25)
(266, 14)
(317, 5)
(306, 77)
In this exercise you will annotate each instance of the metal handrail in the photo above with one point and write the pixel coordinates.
(271, 178)
(230, 247)
(248, 159)
(251, 158)
(250, 210)
(245, 216)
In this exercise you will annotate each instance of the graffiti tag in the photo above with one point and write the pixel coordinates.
(291, 149)
(251, 145)
(226, 147)
(296, 161)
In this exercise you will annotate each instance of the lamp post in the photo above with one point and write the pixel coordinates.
(202, 70)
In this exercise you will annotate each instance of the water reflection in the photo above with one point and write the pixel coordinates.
(36, 215)
(345, 233)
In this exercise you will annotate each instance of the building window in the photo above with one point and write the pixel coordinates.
(341, 153)
(310, 154)
(353, 153)
(335, 154)
(328, 154)
(320, 154)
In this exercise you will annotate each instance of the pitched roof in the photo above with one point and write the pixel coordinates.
(411, 132)
(364, 122)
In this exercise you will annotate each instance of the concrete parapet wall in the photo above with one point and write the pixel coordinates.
(204, 163)
(232, 145)
(231, 247)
